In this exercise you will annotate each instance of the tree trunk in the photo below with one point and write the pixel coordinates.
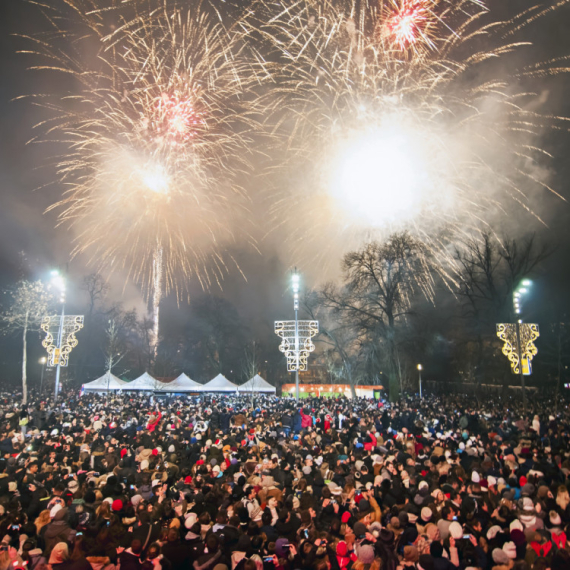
(24, 362)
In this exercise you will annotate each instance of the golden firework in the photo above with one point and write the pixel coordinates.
(402, 114)
(158, 129)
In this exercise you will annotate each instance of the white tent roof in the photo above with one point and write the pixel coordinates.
(105, 382)
(258, 384)
(181, 384)
(219, 384)
(145, 382)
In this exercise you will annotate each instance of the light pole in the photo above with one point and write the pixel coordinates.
(517, 300)
(58, 282)
(296, 337)
(420, 375)
(60, 331)
(519, 339)
(295, 283)
(42, 361)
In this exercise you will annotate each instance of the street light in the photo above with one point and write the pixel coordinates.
(519, 338)
(42, 361)
(420, 375)
(60, 330)
(296, 336)
(58, 282)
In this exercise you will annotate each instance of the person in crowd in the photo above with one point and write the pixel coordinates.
(231, 483)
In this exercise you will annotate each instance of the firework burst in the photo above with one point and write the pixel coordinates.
(402, 114)
(158, 129)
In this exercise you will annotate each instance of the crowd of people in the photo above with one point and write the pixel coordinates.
(227, 483)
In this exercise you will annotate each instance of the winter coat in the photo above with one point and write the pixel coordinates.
(129, 561)
(57, 531)
(306, 421)
(178, 554)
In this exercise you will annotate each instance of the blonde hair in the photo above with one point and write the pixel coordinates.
(562, 497)
(42, 520)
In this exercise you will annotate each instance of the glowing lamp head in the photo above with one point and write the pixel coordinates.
(527, 282)
(420, 367)
(43, 360)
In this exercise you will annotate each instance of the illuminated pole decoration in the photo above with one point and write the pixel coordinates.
(518, 339)
(60, 331)
(296, 338)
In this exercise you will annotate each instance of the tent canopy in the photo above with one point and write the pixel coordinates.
(181, 384)
(145, 382)
(106, 382)
(258, 384)
(219, 384)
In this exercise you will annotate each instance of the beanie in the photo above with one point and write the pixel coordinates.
(366, 554)
(117, 505)
(359, 529)
(456, 530)
(500, 556)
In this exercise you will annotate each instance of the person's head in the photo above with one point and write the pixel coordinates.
(136, 546)
(212, 542)
(272, 502)
(173, 535)
(153, 551)
(222, 516)
(266, 518)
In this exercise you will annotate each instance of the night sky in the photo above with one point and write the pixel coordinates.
(30, 244)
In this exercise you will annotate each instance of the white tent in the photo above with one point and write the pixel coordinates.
(259, 385)
(180, 384)
(219, 384)
(144, 383)
(106, 382)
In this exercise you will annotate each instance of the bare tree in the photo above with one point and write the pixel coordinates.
(251, 365)
(97, 288)
(380, 283)
(30, 303)
(489, 271)
(338, 334)
(114, 350)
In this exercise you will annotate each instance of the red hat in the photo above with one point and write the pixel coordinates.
(188, 480)
(200, 462)
(117, 505)
(341, 548)
(155, 451)
(123, 452)
(522, 481)
(345, 518)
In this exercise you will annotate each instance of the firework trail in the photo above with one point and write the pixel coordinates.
(401, 114)
(158, 132)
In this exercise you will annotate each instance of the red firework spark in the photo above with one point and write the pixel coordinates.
(176, 117)
(405, 23)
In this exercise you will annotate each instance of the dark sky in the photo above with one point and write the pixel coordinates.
(27, 233)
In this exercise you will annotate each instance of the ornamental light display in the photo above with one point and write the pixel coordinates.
(518, 339)
(60, 331)
(296, 338)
